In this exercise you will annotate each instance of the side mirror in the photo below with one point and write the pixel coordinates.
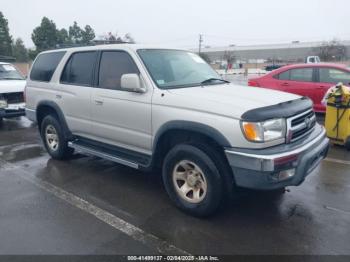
(131, 83)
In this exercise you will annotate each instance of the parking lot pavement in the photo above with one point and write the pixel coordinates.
(91, 206)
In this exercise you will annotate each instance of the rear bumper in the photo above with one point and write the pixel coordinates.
(13, 110)
(279, 167)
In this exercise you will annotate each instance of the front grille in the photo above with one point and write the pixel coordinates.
(300, 125)
(13, 98)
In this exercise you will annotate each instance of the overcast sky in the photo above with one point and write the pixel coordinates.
(178, 22)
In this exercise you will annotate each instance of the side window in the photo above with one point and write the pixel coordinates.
(113, 65)
(331, 75)
(79, 69)
(45, 65)
(301, 74)
(284, 75)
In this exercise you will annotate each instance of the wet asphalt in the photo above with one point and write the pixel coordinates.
(313, 218)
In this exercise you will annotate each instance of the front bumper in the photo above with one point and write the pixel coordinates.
(13, 110)
(261, 169)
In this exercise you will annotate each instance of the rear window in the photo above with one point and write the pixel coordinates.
(301, 74)
(79, 69)
(45, 65)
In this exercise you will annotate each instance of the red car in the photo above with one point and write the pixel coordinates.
(311, 80)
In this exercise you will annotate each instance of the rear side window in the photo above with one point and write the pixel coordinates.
(301, 74)
(45, 65)
(284, 75)
(113, 65)
(79, 69)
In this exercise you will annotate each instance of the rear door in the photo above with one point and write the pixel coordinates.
(300, 81)
(76, 84)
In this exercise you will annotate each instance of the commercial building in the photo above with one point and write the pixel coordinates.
(291, 52)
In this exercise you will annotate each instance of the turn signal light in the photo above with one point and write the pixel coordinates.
(250, 131)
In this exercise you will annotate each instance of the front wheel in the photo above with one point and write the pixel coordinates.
(192, 180)
(54, 140)
(347, 144)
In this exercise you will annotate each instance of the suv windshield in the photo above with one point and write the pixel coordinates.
(9, 72)
(177, 69)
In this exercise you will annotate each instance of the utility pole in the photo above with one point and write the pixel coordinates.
(200, 43)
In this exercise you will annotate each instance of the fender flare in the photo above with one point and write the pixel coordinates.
(59, 114)
(193, 127)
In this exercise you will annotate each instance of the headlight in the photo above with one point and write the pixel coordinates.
(3, 104)
(264, 131)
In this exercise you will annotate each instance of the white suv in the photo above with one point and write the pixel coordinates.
(151, 107)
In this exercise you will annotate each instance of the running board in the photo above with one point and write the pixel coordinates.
(98, 153)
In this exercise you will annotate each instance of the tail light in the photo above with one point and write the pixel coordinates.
(253, 83)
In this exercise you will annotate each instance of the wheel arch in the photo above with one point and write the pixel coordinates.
(175, 132)
(45, 108)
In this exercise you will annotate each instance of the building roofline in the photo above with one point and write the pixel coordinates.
(268, 46)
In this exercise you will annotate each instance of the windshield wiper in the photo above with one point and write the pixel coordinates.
(210, 80)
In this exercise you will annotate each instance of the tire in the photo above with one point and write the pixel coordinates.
(192, 180)
(53, 138)
(347, 144)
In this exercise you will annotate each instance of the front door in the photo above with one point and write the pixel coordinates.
(300, 81)
(121, 118)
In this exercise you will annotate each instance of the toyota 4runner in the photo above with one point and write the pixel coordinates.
(150, 107)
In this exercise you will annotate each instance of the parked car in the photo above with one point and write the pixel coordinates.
(165, 108)
(311, 80)
(272, 67)
(12, 84)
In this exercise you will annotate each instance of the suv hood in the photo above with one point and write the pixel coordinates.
(12, 86)
(229, 99)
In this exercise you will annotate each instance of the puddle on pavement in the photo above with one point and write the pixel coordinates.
(21, 152)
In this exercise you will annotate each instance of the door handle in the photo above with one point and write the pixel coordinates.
(58, 96)
(285, 84)
(99, 102)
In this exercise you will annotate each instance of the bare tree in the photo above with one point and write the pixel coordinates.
(205, 57)
(229, 57)
(331, 51)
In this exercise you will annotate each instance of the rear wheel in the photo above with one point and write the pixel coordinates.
(192, 180)
(54, 140)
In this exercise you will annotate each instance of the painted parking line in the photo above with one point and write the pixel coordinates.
(117, 223)
(336, 209)
(337, 161)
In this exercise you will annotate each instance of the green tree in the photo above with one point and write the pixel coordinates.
(88, 34)
(45, 36)
(63, 37)
(75, 33)
(5, 37)
(20, 52)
